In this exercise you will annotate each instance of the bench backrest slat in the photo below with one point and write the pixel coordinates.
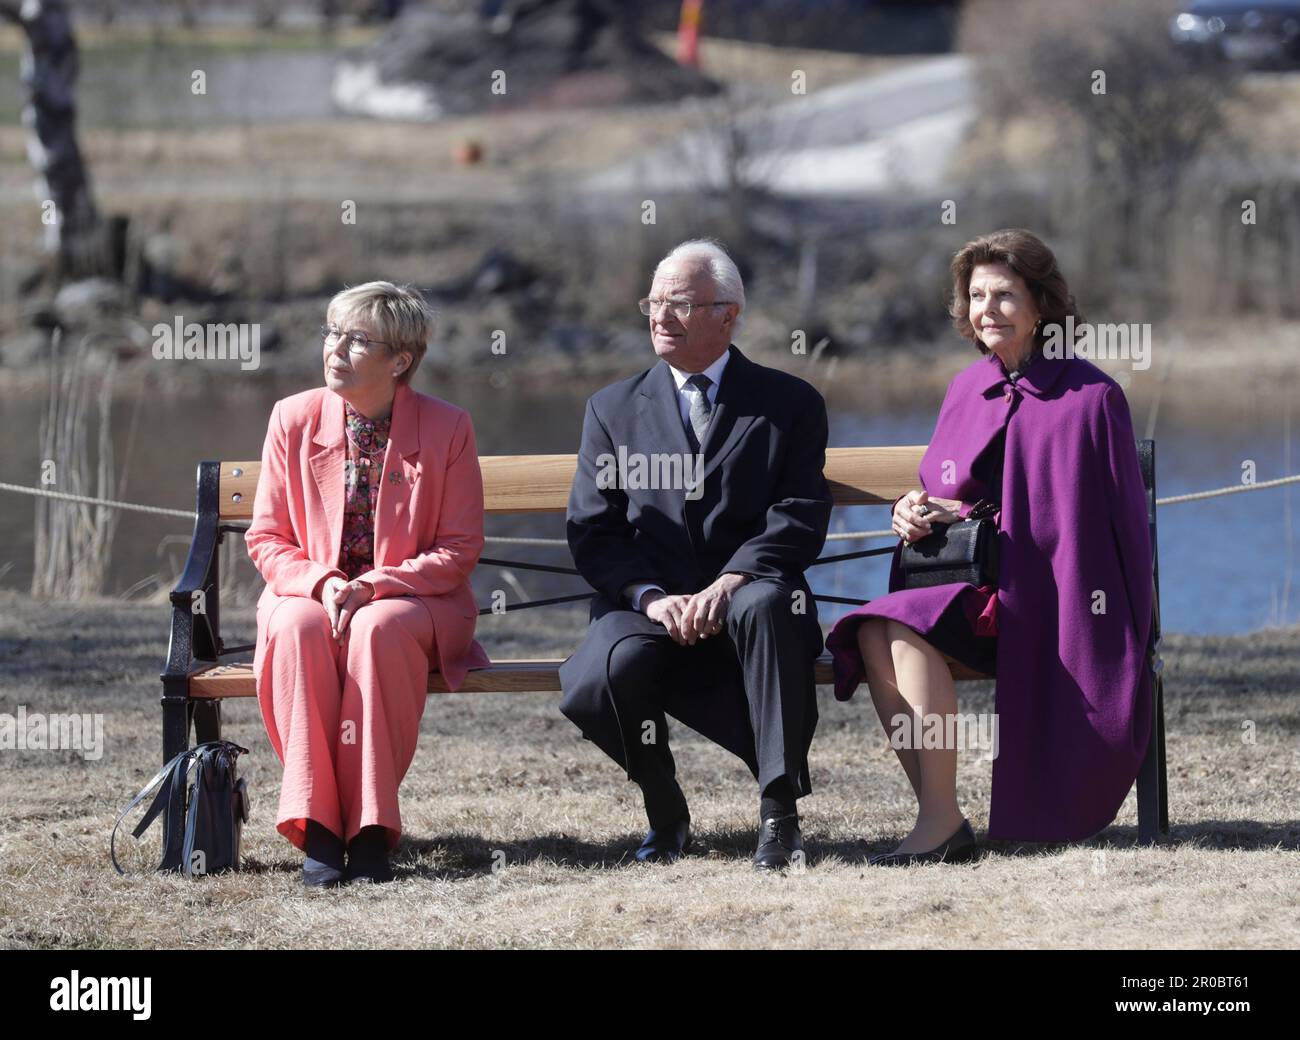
(540, 483)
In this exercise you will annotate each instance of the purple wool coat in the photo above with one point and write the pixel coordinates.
(1074, 599)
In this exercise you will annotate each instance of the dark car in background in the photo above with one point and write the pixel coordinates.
(1257, 33)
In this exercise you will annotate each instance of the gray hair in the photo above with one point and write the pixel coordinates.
(722, 269)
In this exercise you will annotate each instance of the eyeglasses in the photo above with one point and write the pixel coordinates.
(681, 308)
(357, 342)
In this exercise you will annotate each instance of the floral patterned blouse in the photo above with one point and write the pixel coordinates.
(367, 448)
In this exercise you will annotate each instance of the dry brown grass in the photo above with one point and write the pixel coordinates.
(506, 773)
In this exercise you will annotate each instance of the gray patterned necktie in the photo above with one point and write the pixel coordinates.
(701, 410)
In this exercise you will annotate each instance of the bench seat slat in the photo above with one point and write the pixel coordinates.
(534, 675)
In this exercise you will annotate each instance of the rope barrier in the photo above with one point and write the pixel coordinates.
(524, 541)
(188, 514)
(510, 540)
(1234, 489)
(842, 536)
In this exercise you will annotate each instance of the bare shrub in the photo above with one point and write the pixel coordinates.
(1131, 117)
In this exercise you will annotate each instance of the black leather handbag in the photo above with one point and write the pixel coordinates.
(965, 550)
(201, 833)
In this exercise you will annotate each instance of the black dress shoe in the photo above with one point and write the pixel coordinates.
(368, 857)
(778, 840)
(666, 844)
(323, 867)
(960, 847)
(379, 871)
(316, 874)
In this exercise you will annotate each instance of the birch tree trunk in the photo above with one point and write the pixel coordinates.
(49, 75)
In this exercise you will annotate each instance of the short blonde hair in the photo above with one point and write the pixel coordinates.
(398, 313)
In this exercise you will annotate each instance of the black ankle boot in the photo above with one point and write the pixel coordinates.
(368, 856)
(323, 866)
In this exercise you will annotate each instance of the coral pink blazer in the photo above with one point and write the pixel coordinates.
(428, 519)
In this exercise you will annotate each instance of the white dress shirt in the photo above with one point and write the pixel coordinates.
(685, 395)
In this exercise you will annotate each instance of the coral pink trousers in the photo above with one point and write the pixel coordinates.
(343, 715)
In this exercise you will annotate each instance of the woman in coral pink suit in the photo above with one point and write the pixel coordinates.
(367, 523)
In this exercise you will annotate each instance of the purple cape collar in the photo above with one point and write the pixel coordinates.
(1038, 376)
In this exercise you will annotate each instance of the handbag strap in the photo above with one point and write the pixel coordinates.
(192, 817)
(220, 757)
(167, 780)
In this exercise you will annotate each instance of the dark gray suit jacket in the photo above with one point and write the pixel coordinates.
(763, 509)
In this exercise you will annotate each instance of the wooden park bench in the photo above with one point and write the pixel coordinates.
(196, 681)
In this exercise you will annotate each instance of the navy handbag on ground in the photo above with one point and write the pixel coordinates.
(202, 832)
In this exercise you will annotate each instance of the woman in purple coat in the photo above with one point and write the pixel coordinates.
(1047, 435)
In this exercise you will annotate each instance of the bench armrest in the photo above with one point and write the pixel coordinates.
(196, 619)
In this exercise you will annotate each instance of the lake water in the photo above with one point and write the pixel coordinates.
(1223, 562)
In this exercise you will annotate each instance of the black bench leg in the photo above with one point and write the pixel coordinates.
(1164, 778)
(207, 721)
(1152, 786)
(176, 726)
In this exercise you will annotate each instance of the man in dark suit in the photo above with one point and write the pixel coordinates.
(698, 502)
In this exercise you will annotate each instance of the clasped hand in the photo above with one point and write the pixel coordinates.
(341, 599)
(916, 513)
(697, 616)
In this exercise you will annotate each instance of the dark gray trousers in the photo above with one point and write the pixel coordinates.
(750, 688)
